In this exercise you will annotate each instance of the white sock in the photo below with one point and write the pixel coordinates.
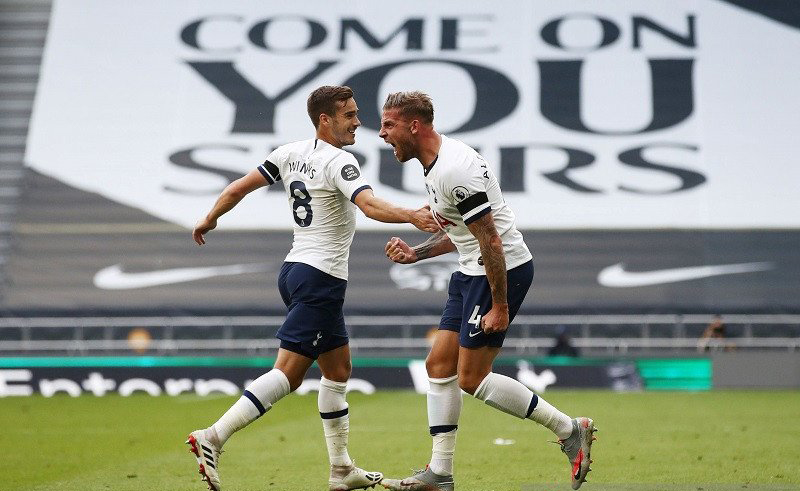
(257, 399)
(506, 394)
(512, 397)
(551, 418)
(333, 410)
(444, 409)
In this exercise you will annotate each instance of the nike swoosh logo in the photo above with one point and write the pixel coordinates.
(616, 276)
(473, 334)
(114, 278)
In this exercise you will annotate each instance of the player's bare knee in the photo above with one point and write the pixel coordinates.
(432, 366)
(438, 367)
(339, 373)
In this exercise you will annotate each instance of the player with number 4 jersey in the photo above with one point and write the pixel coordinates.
(322, 182)
(494, 275)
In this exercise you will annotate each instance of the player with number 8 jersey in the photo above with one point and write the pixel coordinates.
(320, 181)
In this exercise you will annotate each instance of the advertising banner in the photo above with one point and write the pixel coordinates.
(174, 376)
(609, 114)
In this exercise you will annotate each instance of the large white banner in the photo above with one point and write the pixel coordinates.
(605, 114)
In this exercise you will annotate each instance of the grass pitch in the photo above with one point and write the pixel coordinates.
(729, 439)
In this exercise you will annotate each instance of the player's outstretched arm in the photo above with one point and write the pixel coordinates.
(400, 252)
(383, 211)
(494, 261)
(228, 198)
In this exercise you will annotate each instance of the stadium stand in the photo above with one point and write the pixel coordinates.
(23, 28)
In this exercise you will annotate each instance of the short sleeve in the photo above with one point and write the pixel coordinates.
(269, 169)
(346, 176)
(467, 190)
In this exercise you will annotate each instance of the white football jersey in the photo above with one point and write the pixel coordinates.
(462, 188)
(320, 181)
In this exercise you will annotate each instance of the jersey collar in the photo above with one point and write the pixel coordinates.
(428, 170)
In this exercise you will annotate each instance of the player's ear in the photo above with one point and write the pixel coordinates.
(324, 119)
(414, 126)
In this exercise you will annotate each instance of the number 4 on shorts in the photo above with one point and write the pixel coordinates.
(475, 318)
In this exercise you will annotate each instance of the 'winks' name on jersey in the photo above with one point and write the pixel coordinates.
(302, 167)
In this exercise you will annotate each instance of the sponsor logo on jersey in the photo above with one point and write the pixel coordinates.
(350, 172)
(442, 221)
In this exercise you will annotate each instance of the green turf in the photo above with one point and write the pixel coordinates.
(136, 443)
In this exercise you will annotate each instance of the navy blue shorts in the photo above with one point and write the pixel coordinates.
(315, 322)
(470, 298)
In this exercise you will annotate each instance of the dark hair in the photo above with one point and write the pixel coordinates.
(412, 105)
(324, 99)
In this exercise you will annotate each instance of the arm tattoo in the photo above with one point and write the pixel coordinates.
(434, 246)
(494, 259)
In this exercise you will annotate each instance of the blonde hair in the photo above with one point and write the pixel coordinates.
(412, 105)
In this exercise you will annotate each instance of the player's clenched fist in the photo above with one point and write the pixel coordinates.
(496, 320)
(400, 252)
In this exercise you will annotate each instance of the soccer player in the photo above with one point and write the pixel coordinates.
(320, 180)
(494, 275)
